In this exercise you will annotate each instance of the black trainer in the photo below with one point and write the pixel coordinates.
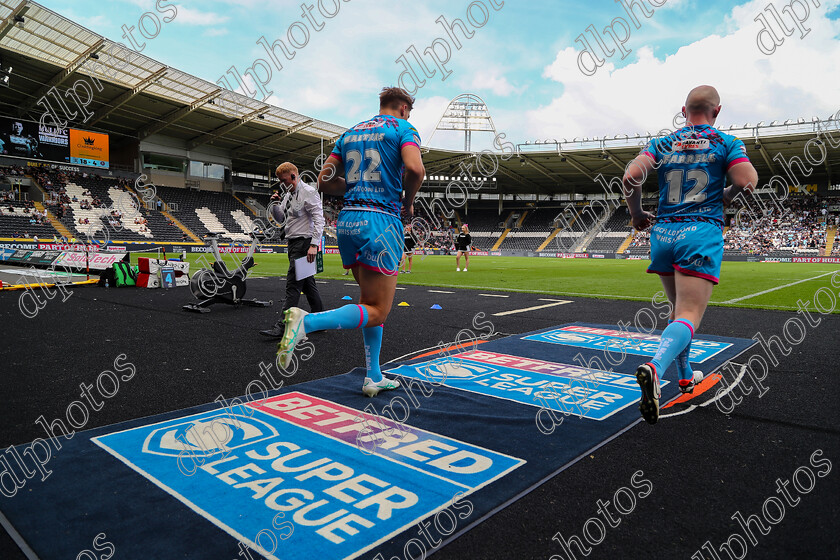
(649, 383)
(274, 332)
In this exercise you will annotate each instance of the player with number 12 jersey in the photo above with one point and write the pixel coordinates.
(692, 164)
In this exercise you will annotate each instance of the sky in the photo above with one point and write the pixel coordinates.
(521, 57)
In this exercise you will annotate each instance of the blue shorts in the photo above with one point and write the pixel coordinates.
(693, 248)
(372, 240)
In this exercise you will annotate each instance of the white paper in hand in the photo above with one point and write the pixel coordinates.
(304, 269)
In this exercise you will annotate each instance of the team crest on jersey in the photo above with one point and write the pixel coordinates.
(686, 145)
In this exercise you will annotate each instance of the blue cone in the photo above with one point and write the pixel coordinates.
(436, 306)
(346, 297)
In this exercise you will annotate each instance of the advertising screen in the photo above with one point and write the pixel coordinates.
(89, 148)
(31, 140)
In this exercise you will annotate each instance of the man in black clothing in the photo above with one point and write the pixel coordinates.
(462, 245)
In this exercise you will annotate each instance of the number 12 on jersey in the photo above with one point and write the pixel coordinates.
(677, 179)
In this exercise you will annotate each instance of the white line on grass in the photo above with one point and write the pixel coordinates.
(736, 300)
(556, 302)
(521, 291)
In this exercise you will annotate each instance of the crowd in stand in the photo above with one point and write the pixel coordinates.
(332, 206)
(795, 225)
(641, 240)
(11, 172)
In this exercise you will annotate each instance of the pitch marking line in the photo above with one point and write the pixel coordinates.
(492, 295)
(555, 303)
(736, 300)
(439, 292)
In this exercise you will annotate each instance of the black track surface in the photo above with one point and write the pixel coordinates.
(704, 465)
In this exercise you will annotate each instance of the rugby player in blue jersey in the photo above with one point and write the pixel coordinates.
(371, 165)
(693, 165)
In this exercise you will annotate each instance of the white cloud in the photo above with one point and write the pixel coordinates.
(800, 79)
(426, 114)
(487, 80)
(190, 16)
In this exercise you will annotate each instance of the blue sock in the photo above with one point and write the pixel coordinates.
(346, 317)
(373, 344)
(675, 338)
(683, 367)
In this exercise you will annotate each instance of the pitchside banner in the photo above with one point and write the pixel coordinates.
(618, 341)
(327, 480)
(34, 258)
(96, 261)
(569, 389)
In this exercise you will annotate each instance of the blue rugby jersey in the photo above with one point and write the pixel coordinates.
(373, 167)
(692, 163)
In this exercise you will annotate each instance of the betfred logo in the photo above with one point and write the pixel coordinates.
(297, 456)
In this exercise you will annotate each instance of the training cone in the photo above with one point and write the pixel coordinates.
(403, 304)
(346, 297)
(436, 306)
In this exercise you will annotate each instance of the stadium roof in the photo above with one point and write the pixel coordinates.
(141, 96)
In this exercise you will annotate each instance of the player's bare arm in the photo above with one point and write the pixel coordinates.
(331, 179)
(413, 178)
(743, 176)
(634, 177)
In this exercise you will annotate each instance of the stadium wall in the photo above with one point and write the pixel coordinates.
(31, 252)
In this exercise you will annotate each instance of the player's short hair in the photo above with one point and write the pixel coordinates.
(393, 97)
(286, 167)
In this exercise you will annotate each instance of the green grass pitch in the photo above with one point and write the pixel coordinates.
(741, 282)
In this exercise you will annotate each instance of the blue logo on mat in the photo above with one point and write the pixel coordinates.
(291, 466)
(566, 388)
(616, 341)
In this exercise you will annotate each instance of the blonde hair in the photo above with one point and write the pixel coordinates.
(286, 167)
